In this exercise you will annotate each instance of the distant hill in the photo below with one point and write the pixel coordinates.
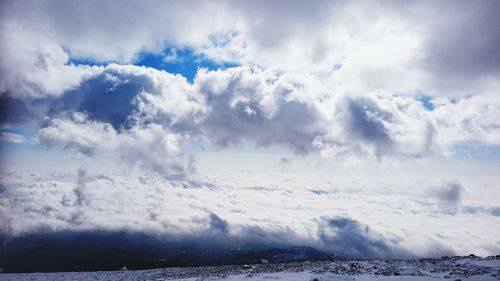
(93, 251)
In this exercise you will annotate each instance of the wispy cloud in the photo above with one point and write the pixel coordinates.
(11, 137)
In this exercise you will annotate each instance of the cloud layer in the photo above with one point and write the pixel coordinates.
(261, 108)
(356, 220)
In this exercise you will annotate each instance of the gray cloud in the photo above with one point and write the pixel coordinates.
(347, 237)
(366, 122)
(28, 112)
(450, 193)
(449, 196)
(217, 223)
(462, 46)
(260, 107)
(80, 185)
(495, 211)
(285, 161)
(125, 95)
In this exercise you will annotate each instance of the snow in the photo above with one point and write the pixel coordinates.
(456, 268)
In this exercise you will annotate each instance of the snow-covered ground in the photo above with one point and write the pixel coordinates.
(448, 268)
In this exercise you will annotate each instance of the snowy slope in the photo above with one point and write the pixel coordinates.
(446, 268)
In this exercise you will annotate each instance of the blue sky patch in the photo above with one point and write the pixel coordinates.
(182, 61)
(426, 102)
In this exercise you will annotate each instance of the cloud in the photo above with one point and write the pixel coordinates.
(449, 196)
(164, 223)
(449, 56)
(282, 112)
(123, 113)
(467, 121)
(378, 124)
(11, 137)
(34, 65)
(132, 146)
(217, 223)
(450, 193)
(333, 123)
(495, 211)
(362, 105)
(347, 237)
(285, 161)
(124, 95)
(18, 111)
(79, 195)
(261, 107)
(80, 185)
(354, 46)
(101, 34)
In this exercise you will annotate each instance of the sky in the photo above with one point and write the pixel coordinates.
(363, 128)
